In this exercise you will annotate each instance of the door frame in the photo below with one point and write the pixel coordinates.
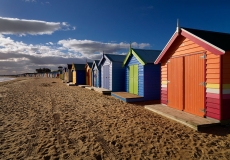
(133, 73)
(204, 80)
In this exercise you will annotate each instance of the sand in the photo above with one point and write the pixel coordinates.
(43, 118)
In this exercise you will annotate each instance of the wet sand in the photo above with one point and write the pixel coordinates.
(43, 118)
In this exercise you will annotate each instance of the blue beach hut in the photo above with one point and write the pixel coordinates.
(96, 74)
(112, 72)
(142, 77)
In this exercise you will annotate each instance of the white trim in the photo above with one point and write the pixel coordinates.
(204, 41)
(102, 57)
(166, 46)
(164, 86)
(211, 90)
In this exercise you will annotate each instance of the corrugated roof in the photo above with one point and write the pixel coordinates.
(221, 40)
(79, 66)
(147, 56)
(115, 57)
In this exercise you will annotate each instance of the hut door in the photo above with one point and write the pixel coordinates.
(74, 77)
(87, 76)
(80, 77)
(133, 79)
(194, 82)
(106, 76)
(95, 78)
(175, 83)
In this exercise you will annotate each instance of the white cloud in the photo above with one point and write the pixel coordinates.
(16, 56)
(32, 27)
(50, 43)
(88, 48)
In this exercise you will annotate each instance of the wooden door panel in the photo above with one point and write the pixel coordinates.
(176, 83)
(106, 76)
(131, 90)
(74, 77)
(135, 79)
(194, 90)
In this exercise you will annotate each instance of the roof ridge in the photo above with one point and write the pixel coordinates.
(206, 30)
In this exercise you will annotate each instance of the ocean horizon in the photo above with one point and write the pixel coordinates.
(3, 79)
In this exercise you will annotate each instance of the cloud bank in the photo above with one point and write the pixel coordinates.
(88, 48)
(18, 57)
(32, 27)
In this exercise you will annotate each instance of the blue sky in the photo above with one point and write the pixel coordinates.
(49, 33)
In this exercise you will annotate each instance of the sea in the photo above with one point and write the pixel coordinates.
(3, 79)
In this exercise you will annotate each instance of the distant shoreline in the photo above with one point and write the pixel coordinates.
(6, 78)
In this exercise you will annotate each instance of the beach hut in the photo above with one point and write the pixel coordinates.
(195, 73)
(69, 74)
(143, 77)
(78, 71)
(88, 73)
(64, 72)
(96, 74)
(112, 72)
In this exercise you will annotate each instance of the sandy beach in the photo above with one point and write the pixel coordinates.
(43, 118)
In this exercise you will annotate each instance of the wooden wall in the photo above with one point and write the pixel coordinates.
(212, 77)
(132, 61)
(213, 69)
(164, 82)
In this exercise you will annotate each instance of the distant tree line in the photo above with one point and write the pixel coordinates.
(43, 70)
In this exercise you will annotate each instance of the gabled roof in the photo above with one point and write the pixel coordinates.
(113, 58)
(142, 55)
(95, 64)
(78, 66)
(215, 42)
(220, 40)
(90, 64)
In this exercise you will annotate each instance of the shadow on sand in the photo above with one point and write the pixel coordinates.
(146, 103)
(219, 130)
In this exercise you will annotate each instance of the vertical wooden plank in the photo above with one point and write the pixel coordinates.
(106, 76)
(74, 77)
(194, 87)
(131, 74)
(175, 84)
(135, 79)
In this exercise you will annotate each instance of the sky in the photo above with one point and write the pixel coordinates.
(51, 33)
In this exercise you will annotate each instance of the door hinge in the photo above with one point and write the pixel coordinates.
(204, 56)
(203, 84)
(203, 110)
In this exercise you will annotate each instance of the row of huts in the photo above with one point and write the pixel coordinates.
(191, 73)
(54, 74)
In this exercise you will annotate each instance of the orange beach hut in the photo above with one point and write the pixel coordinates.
(195, 73)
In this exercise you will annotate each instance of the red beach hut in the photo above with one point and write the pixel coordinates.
(195, 73)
